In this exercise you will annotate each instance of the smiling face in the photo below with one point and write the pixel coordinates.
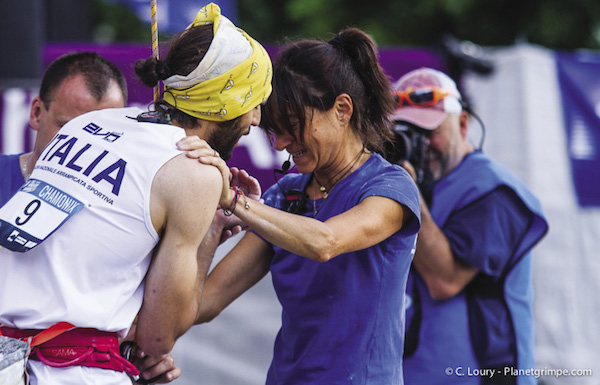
(328, 142)
(317, 147)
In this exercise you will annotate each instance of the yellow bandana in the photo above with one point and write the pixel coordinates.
(208, 92)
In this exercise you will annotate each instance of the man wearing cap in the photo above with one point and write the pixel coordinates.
(110, 222)
(469, 317)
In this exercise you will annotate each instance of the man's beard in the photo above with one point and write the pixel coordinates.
(224, 140)
(436, 164)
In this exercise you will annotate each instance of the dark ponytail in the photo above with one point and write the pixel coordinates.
(378, 103)
(146, 71)
(185, 51)
(312, 74)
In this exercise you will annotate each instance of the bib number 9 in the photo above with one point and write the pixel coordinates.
(33, 213)
(31, 209)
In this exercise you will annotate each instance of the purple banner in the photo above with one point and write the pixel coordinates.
(580, 90)
(254, 152)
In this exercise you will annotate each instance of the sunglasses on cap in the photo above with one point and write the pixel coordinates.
(421, 97)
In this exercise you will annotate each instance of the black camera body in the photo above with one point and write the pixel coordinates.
(410, 144)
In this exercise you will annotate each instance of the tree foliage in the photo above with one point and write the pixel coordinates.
(556, 24)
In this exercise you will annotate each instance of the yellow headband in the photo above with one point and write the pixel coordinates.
(227, 95)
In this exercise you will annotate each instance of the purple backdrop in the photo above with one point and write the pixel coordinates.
(251, 154)
(580, 92)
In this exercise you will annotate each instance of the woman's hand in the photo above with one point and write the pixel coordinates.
(247, 183)
(197, 148)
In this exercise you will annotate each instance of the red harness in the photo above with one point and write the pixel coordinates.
(63, 345)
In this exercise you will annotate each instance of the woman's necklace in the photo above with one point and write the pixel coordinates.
(315, 211)
(345, 171)
(24, 167)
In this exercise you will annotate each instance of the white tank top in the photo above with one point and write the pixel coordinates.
(90, 270)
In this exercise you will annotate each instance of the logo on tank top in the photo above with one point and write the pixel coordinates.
(109, 136)
(92, 161)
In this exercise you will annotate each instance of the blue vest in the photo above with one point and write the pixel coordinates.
(470, 331)
(12, 179)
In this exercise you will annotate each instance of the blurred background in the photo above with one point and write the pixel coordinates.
(530, 69)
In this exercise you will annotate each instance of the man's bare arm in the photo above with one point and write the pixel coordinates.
(183, 204)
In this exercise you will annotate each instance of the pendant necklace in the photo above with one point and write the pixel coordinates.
(345, 171)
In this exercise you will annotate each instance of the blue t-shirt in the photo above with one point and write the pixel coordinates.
(12, 178)
(343, 320)
(491, 221)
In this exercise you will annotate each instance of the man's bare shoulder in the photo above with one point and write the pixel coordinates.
(185, 172)
(184, 186)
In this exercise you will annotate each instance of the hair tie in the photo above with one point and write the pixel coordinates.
(336, 42)
(162, 70)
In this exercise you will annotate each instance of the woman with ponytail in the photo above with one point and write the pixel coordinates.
(338, 237)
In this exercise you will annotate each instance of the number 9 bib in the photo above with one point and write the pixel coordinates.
(33, 213)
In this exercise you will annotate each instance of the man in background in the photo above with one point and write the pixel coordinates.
(72, 85)
(469, 317)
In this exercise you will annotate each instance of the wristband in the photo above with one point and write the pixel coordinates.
(229, 211)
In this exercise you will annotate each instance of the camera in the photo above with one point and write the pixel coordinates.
(410, 144)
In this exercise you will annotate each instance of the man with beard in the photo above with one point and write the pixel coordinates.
(469, 314)
(72, 85)
(111, 220)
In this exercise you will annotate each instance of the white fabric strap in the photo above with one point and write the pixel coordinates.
(228, 49)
